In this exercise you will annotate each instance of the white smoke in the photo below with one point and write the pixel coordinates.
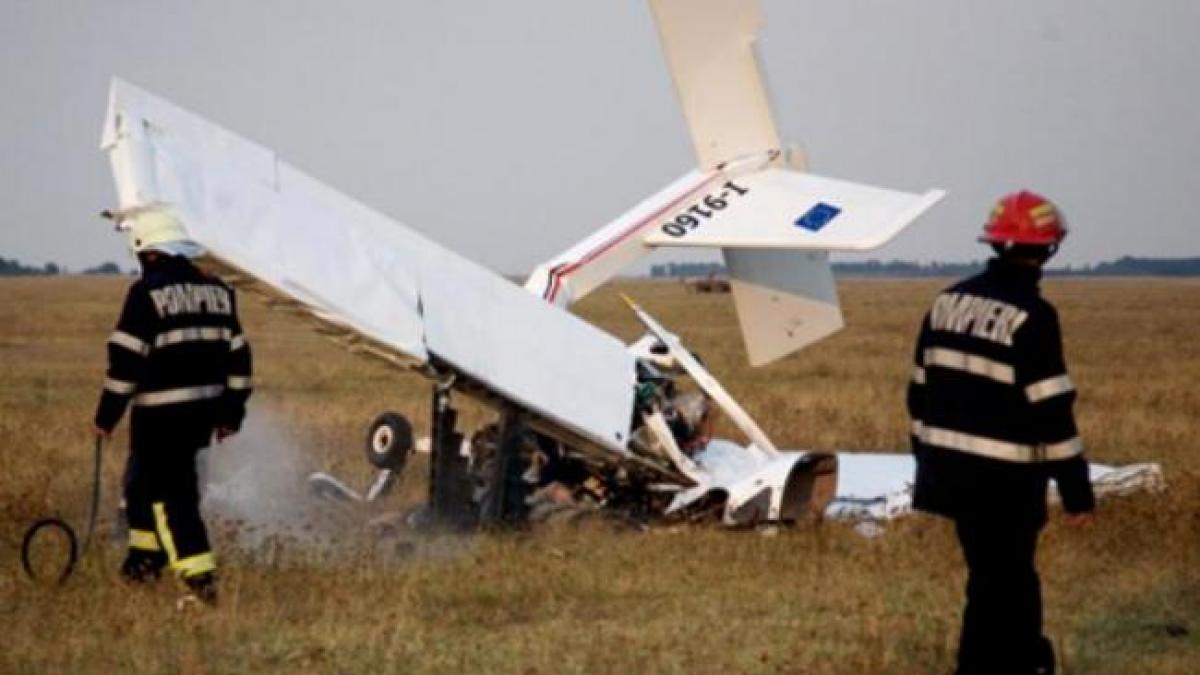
(256, 495)
(258, 499)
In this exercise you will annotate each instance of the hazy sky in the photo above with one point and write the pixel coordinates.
(508, 130)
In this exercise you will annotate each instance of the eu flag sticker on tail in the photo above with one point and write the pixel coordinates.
(818, 217)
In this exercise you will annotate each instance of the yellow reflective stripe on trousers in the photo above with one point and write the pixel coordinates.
(997, 449)
(970, 363)
(143, 540)
(164, 532)
(130, 342)
(194, 334)
(196, 565)
(918, 375)
(237, 342)
(1049, 388)
(120, 386)
(181, 395)
(190, 566)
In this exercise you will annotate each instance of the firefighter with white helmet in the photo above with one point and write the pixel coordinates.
(179, 359)
(991, 407)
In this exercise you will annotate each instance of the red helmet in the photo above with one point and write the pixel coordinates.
(1024, 218)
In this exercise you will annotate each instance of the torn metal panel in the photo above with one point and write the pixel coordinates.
(760, 444)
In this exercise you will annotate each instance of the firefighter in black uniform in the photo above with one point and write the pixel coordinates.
(179, 357)
(990, 402)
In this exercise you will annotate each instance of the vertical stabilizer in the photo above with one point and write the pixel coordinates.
(709, 45)
(785, 299)
(774, 222)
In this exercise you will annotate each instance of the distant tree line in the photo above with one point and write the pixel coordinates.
(15, 268)
(1155, 267)
(1126, 266)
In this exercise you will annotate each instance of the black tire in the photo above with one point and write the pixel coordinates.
(27, 544)
(389, 442)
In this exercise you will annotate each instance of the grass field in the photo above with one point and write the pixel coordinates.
(1121, 596)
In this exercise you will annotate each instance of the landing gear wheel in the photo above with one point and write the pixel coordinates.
(389, 442)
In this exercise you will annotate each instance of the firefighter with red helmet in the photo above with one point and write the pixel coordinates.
(179, 359)
(992, 423)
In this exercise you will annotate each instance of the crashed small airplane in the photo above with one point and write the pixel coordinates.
(578, 411)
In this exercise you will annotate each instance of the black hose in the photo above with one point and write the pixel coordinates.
(75, 552)
(94, 508)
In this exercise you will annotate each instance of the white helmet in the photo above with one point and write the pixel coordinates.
(157, 229)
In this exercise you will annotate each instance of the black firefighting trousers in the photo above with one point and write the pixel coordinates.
(162, 503)
(1002, 621)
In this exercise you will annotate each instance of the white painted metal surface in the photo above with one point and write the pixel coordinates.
(532, 352)
(879, 485)
(265, 218)
(870, 486)
(782, 299)
(358, 269)
(787, 209)
(709, 46)
(785, 300)
(657, 424)
(577, 271)
(749, 199)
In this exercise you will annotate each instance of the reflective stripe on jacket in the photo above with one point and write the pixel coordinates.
(991, 400)
(177, 354)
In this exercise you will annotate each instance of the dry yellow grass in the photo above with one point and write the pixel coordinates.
(812, 600)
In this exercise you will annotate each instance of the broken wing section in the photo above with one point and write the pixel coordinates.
(266, 219)
(358, 270)
(534, 353)
(760, 444)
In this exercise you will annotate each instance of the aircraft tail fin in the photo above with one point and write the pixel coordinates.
(774, 222)
(785, 300)
(775, 228)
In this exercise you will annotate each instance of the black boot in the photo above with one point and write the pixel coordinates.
(1044, 664)
(141, 567)
(202, 588)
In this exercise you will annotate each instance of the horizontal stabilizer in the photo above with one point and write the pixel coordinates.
(782, 209)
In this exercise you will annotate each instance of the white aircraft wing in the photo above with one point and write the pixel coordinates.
(265, 218)
(363, 273)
